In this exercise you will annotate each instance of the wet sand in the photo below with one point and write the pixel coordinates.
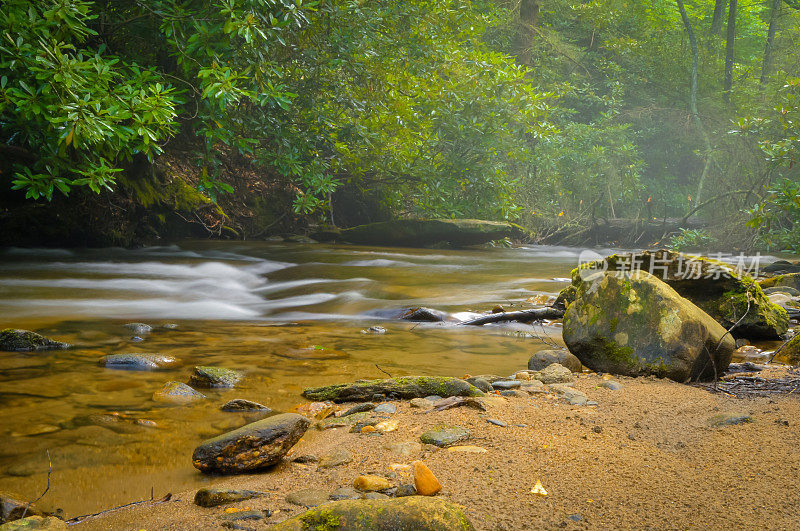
(645, 457)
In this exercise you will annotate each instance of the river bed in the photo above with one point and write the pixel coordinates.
(289, 315)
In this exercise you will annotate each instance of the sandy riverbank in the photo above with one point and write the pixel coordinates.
(645, 457)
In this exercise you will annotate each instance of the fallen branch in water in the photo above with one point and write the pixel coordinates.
(78, 519)
(49, 472)
(523, 316)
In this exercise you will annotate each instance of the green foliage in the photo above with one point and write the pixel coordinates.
(778, 217)
(79, 111)
(690, 239)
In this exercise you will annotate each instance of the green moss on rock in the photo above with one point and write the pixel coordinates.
(419, 513)
(24, 340)
(406, 387)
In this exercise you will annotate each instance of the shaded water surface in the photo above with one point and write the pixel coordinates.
(290, 316)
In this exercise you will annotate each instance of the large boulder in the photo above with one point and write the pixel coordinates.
(406, 387)
(634, 324)
(251, 447)
(25, 340)
(724, 292)
(420, 513)
(426, 232)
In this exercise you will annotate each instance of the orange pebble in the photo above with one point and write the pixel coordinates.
(424, 480)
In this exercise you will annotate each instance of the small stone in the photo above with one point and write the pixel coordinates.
(240, 404)
(244, 515)
(405, 449)
(553, 373)
(433, 398)
(308, 497)
(597, 429)
(610, 384)
(468, 449)
(544, 358)
(421, 403)
(208, 497)
(445, 435)
(177, 393)
(338, 457)
(139, 329)
(370, 483)
(345, 493)
(497, 422)
(507, 384)
(374, 330)
(360, 408)
(575, 517)
(728, 419)
(522, 375)
(365, 429)
(363, 418)
(405, 490)
(375, 496)
(424, 480)
(533, 387)
(315, 410)
(214, 377)
(481, 383)
(386, 426)
(512, 392)
(386, 408)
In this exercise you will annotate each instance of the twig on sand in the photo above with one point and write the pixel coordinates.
(49, 472)
(78, 519)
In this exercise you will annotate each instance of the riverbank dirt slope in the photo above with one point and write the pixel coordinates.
(647, 456)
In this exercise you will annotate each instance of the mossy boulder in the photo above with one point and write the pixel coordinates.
(420, 513)
(722, 291)
(24, 340)
(791, 351)
(428, 232)
(405, 387)
(634, 324)
(252, 447)
(791, 280)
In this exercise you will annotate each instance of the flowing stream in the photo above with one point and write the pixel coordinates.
(289, 315)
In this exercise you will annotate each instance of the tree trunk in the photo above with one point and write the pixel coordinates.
(528, 19)
(693, 97)
(773, 28)
(730, 41)
(716, 20)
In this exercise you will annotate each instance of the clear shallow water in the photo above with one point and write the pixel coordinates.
(258, 307)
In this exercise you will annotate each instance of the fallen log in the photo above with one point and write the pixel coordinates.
(522, 316)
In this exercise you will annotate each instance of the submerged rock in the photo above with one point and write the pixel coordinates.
(214, 377)
(137, 362)
(424, 315)
(445, 435)
(242, 405)
(214, 497)
(46, 523)
(12, 509)
(139, 329)
(177, 393)
(724, 293)
(251, 447)
(24, 340)
(634, 324)
(419, 513)
(403, 387)
(544, 358)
